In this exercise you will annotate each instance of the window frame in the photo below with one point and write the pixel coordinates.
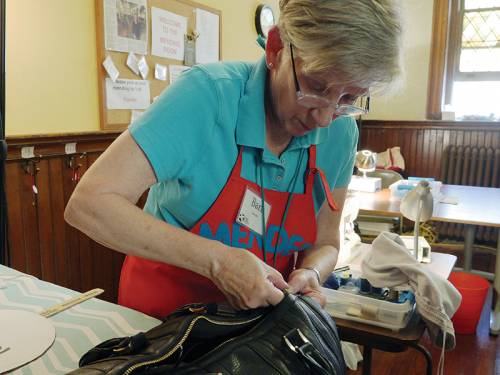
(445, 56)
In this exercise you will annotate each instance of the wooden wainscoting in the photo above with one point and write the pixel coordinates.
(423, 142)
(41, 243)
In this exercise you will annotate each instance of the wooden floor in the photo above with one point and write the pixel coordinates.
(474, 354)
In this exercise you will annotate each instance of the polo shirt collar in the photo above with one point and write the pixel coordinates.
(251, 122)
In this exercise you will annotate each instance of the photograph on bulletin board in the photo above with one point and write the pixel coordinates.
(126, 26)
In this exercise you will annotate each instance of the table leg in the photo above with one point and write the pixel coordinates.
(367, 360)
(427, 355)
(470, 233)
(495, 316)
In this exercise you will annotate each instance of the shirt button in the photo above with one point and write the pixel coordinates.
(282, 161)
(279, 178)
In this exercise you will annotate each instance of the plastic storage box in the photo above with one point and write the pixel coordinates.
(400, 188)
(368, 310)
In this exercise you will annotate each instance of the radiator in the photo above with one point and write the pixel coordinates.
(473, 166)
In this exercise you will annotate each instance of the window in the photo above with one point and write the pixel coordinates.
(465, 59)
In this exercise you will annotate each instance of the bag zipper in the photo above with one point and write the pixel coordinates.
(183, 339)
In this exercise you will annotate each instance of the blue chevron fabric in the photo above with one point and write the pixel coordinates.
(77, 329)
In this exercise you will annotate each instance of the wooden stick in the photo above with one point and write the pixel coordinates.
(57, 308)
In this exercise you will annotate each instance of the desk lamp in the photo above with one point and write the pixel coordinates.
(417, 206)
(366, 161)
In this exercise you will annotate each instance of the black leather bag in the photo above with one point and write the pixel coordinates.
(295, 337)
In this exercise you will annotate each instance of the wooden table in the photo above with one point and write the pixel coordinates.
(476, 206)
(372, 337)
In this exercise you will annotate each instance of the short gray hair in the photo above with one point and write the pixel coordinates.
(359, 38)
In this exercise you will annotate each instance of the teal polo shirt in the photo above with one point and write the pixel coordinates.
(191, 136)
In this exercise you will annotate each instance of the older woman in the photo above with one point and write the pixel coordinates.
(239, 159)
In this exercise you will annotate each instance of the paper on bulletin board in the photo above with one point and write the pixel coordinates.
(126, 26)
(110, 68)
(176, 71)
(207, 44)
(143, 67)
(132, 63)
(160, 72)
(127, 94)
(167, 34)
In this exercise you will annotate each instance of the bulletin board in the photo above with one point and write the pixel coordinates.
(119, 119)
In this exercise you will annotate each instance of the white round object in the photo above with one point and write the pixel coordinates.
(24, 336)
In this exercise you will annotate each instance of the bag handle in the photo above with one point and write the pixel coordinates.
(306, 351)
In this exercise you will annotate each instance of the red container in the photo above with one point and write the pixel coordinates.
(473, 289)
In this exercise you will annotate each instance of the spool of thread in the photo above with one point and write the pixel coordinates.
(392, 296)
(364, 286)
(344, 278)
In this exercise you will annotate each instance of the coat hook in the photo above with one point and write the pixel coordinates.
(29, 166)
(31, 170)
(73, 164)
(72, 161)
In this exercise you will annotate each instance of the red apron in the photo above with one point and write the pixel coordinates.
(157, 288)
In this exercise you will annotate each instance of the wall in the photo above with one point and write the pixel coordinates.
(52, 74)
(409, 101)
(51, 80)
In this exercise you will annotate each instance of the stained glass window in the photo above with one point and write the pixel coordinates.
(476, 81)
(480, 50)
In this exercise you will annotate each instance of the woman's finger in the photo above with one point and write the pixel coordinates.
(275, 296)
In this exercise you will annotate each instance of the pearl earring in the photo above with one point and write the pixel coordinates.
(270, 65)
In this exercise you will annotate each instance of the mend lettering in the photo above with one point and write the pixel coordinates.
(236, 235)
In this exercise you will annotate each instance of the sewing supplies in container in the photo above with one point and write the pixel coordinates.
(353, 298)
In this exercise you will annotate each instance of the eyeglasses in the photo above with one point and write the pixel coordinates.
(315, 101)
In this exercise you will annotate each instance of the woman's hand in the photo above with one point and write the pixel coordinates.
(246, 281)
(305, 282)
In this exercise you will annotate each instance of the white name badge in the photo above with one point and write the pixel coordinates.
(250, 213)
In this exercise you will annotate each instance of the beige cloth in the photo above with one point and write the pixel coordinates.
(352, 354)
(390, 264)
(391, 159)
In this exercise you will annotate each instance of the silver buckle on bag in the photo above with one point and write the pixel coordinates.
(292, 337)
